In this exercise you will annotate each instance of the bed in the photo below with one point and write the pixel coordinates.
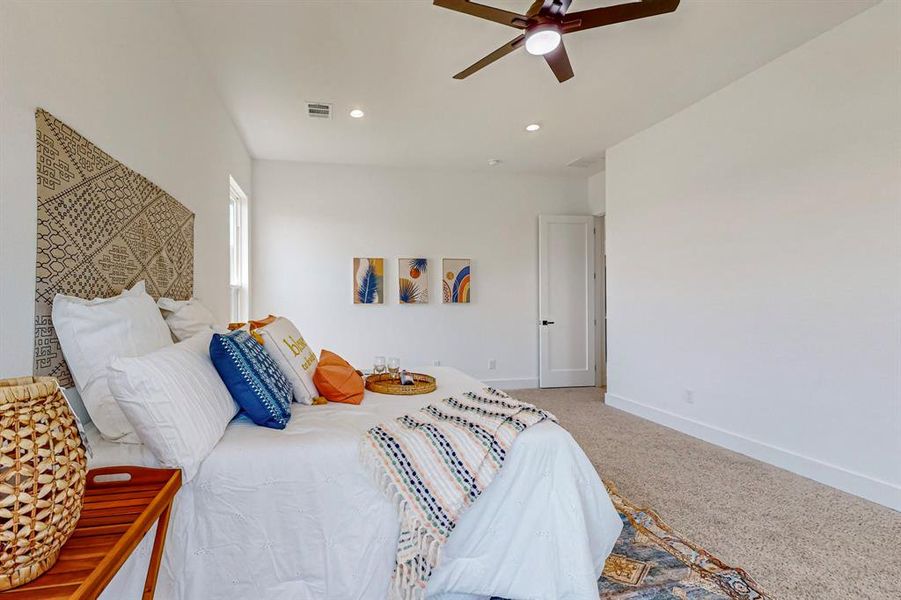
(270, 514)
(294, 514)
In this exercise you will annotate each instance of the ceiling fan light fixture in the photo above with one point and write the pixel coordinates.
(542, 39)
(541, 29)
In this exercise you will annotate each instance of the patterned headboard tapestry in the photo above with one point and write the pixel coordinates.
(102, 227)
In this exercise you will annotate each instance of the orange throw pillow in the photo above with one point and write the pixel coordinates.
(252, 325)
(337, 380)
(262, 322)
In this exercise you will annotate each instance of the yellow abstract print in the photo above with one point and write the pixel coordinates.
(369, 277)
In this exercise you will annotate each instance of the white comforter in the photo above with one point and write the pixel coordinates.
(293, 515)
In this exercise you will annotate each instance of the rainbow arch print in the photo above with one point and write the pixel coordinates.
(456, 280)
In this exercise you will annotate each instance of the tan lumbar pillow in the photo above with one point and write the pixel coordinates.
(292, 355)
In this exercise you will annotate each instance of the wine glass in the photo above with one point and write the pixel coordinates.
(379, 365)
(393, 366)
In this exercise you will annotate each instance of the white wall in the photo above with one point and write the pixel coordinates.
(309, 221)
(124, 75)
(597, 193)
(754, 258)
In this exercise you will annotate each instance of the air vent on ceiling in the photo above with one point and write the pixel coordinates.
(319, 110)
(588, 162)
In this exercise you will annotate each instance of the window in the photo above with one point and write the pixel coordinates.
(238, 259)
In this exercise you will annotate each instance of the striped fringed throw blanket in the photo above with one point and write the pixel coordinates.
(434, 463)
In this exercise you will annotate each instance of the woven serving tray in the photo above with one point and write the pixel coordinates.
(390, 384)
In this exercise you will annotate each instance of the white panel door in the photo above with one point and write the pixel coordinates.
(566, 301)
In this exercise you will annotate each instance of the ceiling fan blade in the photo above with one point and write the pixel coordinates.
(548, 8)
(537, 6)
(558, 61)
(608, 15)
(497, 54)
(490, 13)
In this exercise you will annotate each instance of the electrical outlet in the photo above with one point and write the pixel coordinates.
(492, 364)
(688, 396)
(436, 363)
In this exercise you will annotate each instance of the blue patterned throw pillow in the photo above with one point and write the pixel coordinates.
(253, 379)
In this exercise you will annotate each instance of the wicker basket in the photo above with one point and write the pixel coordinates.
(390, 384)
(42, 477)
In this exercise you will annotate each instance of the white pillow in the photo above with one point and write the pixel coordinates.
(292, 355)
(94, 332)
(176, 402)
(187, 318)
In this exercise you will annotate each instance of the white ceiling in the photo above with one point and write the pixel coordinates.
(395, 58)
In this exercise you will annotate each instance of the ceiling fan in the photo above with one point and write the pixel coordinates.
(545, 23)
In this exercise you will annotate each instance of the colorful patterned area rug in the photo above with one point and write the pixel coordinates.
(650, 561)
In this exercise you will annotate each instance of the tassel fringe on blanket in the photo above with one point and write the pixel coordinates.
(433, 464)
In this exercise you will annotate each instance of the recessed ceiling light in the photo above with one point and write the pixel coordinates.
(494, 162)
(533, 127)
(543, 39)
(357, 113)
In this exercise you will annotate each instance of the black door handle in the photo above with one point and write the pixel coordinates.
(544, 322)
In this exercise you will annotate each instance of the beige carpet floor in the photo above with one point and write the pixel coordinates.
(797, 538)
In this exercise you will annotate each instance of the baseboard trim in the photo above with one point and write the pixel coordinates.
(523, 383)
(881, 492)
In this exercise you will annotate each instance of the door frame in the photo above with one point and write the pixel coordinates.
(590, 340)
(600, 299)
